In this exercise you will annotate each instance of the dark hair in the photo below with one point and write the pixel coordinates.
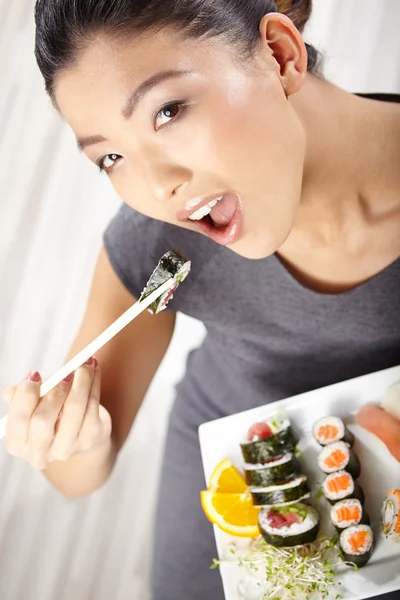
(65, 27)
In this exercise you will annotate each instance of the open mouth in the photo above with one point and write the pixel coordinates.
(221, 219)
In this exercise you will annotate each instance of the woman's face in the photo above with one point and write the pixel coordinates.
(204, 128)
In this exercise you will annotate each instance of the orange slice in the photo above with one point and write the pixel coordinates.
(226, 479)
(233, 513)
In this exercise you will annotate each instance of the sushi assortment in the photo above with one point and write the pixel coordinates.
(341, 466)
(391, 515)
(276, 484)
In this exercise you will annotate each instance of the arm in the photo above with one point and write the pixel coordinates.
(128, 363)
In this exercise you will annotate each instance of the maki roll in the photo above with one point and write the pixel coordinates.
(338, 457)
(332, 429)
(269, 440)
(347, 513)
(281, 495)
(357, 544)
(172, 265)
(340, 486)
(276, 471)
(391, 515)
(289, 525)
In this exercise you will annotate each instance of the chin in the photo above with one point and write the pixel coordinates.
(251, 249)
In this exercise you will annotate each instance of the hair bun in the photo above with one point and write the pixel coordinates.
(298, 11)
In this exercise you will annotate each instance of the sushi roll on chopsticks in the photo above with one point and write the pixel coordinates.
(276, 471)
(357, 544)
(332, 429)
(290, 525)
(283, 494)
(338, 457)
(340, 486)
(347, 513)
(172, 265)
(391, 515)
(268, 440)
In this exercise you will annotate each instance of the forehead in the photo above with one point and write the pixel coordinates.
(108, 69)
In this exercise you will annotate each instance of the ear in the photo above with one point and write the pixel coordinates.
(282, 42)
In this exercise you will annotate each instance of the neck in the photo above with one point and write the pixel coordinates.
(344, 166)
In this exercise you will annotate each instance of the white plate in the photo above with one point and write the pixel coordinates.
(380, 471)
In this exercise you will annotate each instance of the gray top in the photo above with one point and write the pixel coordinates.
(268, 337)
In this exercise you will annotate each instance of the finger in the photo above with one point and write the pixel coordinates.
(8, 393)
(73, 412)
(25, 401)
(42, 425)
(91, 431)
(383, 425)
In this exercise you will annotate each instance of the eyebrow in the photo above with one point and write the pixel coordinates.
(133, 101)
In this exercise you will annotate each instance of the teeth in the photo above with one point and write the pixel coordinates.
(204, 210)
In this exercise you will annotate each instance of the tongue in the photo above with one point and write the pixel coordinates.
(223, 212)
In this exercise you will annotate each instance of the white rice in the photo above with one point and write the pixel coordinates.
(350, 531)
(344, 524)
(329, 421)
(286, 486)
(342, 493)
(390, 516)
(327, 451)
(309, 522)
(275, 463)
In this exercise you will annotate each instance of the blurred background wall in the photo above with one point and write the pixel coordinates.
(53, 209)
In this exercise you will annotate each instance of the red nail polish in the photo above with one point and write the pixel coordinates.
(69, 378)
(34, 376)
(89, 361)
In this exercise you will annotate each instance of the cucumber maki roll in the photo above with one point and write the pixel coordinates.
(340, 486)
(281, 495)
(332, 429)
(357, 544)
(347, 513)
(338, 457)
(289, 525)
(172, 265)
(277, 471)
(266, 441)
(391, 515)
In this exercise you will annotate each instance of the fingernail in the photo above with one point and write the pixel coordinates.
(89, 361)
(34, 376)
(96, 363)
(69, 378)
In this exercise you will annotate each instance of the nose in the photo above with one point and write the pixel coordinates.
(163, 179)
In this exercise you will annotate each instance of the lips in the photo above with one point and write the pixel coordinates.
(224, 223)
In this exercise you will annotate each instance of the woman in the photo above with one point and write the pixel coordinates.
(223, 141)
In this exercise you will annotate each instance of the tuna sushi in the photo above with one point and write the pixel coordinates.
(290, 525)
(357, 544)
(268, 440)
(347, 513)
(281, 495)
(332, 429)
(172, 265)
(277, 471)
(340, 486)
(391, 515)
(338, 457)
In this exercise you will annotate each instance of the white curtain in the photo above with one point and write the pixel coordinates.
(53, 209)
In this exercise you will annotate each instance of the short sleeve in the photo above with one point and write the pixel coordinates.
(134, 244)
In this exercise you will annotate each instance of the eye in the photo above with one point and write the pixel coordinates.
(108, 161)
(168, 113)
